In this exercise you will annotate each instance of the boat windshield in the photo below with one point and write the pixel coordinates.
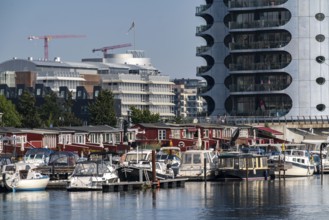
(90, 169)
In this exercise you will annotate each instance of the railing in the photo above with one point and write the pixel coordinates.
(244, 120)
(258, 45)
(201, 9)
(202, 49)
(202, 69)
(253, 87)
(255, 3)
(257, 24)
(257, 66)
(202, 28)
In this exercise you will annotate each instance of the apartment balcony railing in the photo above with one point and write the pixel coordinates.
(201, 9)
(202, 28)
(202, 69)
(201, 49)
(257, 66)
(257, 24)
(258, 45)
(253, 87)
(255, 3)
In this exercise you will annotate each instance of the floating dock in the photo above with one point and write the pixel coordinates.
(129, 186)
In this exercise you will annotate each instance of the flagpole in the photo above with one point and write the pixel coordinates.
(134, 38)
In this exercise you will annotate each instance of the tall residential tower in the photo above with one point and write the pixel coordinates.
(265, 57)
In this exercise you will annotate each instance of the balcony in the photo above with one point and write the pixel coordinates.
(257, 66)
(258, 45)
(255, 3)
(257, 24)
(202, 49)
(253, 87)
(201, 9)
(202, 69)
(202, 28)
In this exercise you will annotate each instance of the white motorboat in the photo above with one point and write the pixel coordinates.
(301, 163)
(23, 177)
(91, 175)
(195, 162)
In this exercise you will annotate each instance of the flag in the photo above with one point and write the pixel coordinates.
(131, 27)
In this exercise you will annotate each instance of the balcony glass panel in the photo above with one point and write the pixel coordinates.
(255, 3)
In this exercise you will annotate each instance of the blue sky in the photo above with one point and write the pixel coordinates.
(165, 30)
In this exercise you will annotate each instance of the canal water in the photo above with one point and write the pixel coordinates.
(297, 198)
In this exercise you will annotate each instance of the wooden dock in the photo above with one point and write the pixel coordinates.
(129, 186)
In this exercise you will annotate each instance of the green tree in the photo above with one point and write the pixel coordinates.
(68, 118)
(10, 117)
(143, 116)
(51, 110)
(102, 109)
(27, 109)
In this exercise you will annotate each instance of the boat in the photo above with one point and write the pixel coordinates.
(142, 171)
(171, 156)
(198, 165)
(38, 156)
(5, 159)
(300, 161)
(242, 166)
(91, 175)
(22, 176)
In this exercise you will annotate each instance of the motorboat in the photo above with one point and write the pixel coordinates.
(171, 156)
(23, 177)
(142, 171)
(5, 159)
(198, 165)
(242, 166)
(91, 175)
(38, 156)
(300, 161)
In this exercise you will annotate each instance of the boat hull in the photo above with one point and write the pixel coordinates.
(129, 173)
(239, 174)
(297, 170)
(88, 183)
(38, 184)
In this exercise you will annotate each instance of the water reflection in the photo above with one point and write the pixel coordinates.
(291, 199)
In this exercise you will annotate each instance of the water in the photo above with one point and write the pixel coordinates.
(299, 198)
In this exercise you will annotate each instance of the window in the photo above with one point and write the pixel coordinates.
(320, 80)
(319, 16)
(320, 37)
(161, 134)
(321, 107)
(320, 59)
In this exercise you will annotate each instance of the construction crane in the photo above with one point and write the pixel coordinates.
(47, 38)
(105, 49)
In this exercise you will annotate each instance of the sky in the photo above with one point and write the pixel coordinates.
(165, 30)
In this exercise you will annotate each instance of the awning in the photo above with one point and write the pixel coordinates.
(269, 130)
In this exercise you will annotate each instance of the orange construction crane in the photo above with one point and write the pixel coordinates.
(47, 38)
(105, 49)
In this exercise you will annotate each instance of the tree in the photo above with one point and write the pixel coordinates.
(68, 118)
(10, 117)
(102, 109)
(143, 116)
(28, 111)
(51, 110)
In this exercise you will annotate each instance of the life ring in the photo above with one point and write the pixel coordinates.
(181, 144)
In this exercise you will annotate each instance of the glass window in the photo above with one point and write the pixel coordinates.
(321, 107)
(319, 16)
(320, 80)
(320, 37)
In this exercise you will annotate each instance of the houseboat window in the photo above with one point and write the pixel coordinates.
(226, 162)
(250, 163)
(303, 161)
(161, 134)
(242, 163)
(196, 158)
(294, 159)
(188, 158)
(264, 162)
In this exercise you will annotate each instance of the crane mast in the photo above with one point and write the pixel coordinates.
(105, 49)
(47, 38)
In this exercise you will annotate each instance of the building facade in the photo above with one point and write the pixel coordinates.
(265, 58)
(188, 103)
(136, 82)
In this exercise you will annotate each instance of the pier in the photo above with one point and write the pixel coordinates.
(129, 186)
